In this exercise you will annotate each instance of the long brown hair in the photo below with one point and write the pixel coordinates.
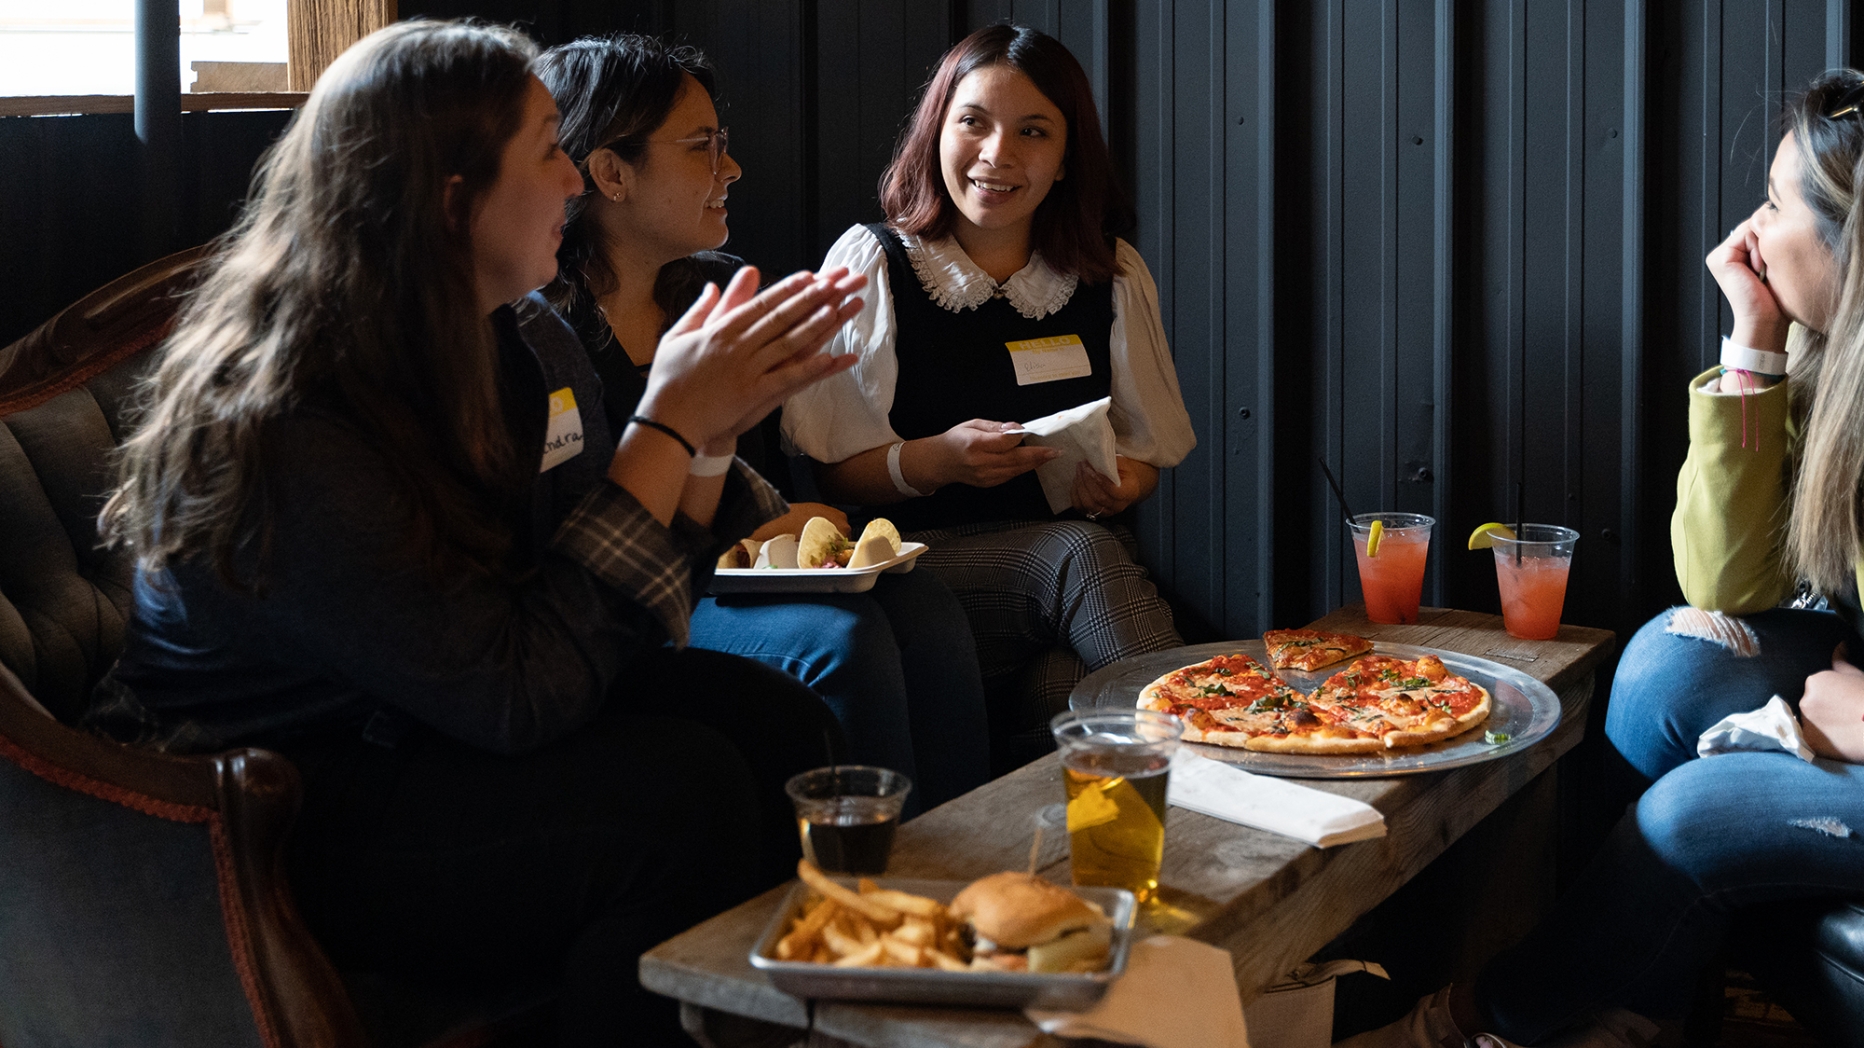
(1074, 224)
(345, 287)
(1823, 536)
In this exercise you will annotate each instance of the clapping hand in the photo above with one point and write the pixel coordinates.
(737, 354)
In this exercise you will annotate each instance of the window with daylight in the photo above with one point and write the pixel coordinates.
(88, 47)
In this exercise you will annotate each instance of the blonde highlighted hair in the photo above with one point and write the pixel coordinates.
(1823, 536)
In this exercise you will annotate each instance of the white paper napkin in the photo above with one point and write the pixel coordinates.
(1224, 791)
(1770, 728)
(1083, 434)
(1175, 993)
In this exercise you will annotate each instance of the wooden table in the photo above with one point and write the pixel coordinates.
(1269, 900)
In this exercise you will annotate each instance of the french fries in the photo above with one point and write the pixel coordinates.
(874, 927)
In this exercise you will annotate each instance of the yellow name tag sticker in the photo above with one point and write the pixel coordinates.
(1040, 360)
(563, 435)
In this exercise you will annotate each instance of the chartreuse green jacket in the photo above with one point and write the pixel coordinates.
(1732, 497)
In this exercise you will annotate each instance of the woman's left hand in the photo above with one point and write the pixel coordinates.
(1097, 496)
(1832, 711)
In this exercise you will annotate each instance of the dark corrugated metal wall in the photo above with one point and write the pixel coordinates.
(1447, 245)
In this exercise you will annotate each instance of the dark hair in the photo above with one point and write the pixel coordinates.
(345, 285)
(1075, 223)
(613, 92)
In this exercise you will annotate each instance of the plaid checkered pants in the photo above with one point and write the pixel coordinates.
(1048, 603)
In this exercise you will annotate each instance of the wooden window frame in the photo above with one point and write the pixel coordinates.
(317, 32)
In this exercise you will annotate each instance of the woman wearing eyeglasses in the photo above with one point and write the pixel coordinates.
(897, 664)
(1000, 238)
(1768, 495)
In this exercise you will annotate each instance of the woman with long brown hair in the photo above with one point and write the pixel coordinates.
(1001, 232)
(383, 532)
(1768, 495)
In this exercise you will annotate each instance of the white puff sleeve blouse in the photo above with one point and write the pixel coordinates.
(846, 414)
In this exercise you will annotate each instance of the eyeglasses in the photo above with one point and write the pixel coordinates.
(717, 144)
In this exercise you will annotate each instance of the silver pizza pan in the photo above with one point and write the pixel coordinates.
(1522, 708)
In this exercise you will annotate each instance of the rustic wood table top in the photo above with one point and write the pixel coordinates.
(1270, 900)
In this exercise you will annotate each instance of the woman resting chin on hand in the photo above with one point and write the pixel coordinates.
(1712, 836)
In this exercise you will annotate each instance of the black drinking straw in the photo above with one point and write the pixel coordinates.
(1520, 497)
(1337, 493)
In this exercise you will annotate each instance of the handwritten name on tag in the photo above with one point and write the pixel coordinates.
(563, 435)
(1040, 360)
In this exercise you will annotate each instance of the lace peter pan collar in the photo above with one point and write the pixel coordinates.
(957, 283)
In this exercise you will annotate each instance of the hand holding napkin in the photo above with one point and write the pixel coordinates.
(1082, 434)
(1770, 728)
(1224, 791)
(1175, 993)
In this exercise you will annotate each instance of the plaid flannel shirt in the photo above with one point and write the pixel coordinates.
(664, 568)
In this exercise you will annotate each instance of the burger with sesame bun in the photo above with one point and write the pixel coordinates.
(1020, 922)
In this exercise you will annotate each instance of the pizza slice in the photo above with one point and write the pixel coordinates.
(1404, 702)
(1311, 649)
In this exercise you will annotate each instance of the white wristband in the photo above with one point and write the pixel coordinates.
(710, 465)
(899, 478)
(1759, 361)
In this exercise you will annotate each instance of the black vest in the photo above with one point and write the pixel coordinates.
(955, 367)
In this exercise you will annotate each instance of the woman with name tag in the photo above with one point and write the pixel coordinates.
(999, 295)
(897, 663)
(1758, 833)
(375, 532)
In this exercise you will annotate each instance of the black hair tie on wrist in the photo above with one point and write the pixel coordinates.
(643, 420)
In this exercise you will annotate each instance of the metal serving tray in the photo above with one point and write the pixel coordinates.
(1061, 992)
(1521, 708)
(815, 580)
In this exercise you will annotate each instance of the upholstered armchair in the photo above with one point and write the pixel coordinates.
(143, 900)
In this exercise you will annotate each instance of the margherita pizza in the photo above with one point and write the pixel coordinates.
(1311, 649)
(1376, 704)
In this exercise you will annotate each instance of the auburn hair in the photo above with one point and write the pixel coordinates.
(1075, 224)
(345, 287)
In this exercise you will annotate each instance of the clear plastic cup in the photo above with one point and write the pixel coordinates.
(1115, 767)
(847, 815)
(1531, 570)
(1393, 581)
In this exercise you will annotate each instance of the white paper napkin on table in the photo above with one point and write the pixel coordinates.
(1175, 993)
(1083, 434)
(1772, 727)
(1224, 791)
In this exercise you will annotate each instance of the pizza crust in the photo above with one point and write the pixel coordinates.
(1266, 731)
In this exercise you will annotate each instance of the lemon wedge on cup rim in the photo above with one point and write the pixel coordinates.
(1484, 537)
(1373, 535)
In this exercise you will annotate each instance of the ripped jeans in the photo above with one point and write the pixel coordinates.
(1709, 836)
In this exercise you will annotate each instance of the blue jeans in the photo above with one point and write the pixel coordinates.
(897, 665)
(1709, 837)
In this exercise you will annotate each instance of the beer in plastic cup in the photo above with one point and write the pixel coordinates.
(1115, 766)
